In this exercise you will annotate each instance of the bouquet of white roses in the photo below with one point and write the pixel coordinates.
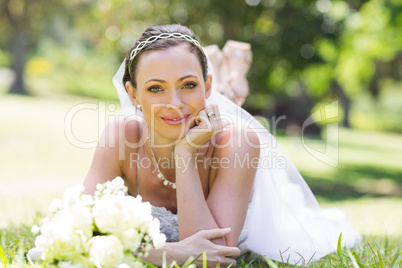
(108, 229)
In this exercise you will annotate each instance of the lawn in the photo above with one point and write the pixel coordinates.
(366, 183)
(47, 145)
(41, 152)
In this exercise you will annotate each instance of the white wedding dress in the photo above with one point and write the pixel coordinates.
(284, 221)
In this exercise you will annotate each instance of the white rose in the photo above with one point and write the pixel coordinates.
(158, 239)
(77, 262)
(42, 244)
(118, 183)
(114, 214)
(82, 216)
(67, 245)
(78, 216)
(69, 264)
(58, 240)
(44, 241)
(109, 214)
(87, 199)
(139, 212)
(49, 229)
(106, 251)
(130, 239)
(118, 187)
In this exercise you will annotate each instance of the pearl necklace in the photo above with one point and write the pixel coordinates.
(166, 182)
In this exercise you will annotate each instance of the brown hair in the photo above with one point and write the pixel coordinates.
(129, 71)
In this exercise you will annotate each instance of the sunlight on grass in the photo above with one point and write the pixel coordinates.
(38, 162)
(366, 183)
(369, 162)
(372, 216)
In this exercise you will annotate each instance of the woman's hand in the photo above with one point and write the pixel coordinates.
(201, 242)
(208, 125)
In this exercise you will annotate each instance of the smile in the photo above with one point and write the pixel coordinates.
(175, 120)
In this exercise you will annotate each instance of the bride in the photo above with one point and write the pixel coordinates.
(217, 180)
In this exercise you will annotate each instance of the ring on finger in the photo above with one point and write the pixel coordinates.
(211, 114)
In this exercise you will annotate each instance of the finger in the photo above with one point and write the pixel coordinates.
(202, 119)
(223, 122)
(214, 118)
(215, 109)
(217, 119)
(209, 109)
(215, 233)
(212, 112)
(228, 251)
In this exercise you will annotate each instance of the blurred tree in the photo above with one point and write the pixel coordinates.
(307, 51)
(16, 14)
(360, 57)
(303, 51)
(27, 21)
(282, 34)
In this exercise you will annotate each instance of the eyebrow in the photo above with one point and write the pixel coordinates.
(163, 81)
(187, 76)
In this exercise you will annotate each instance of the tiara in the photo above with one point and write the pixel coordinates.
(161, 36)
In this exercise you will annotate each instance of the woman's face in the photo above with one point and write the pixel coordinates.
(171, 91)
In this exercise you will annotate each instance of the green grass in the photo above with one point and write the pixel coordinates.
(37, 163)
(373, 252)
(366, 183)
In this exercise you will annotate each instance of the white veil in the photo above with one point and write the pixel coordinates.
(284, 221)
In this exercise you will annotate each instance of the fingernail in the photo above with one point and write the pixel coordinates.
(227, 229)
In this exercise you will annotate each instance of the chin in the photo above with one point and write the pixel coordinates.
(177, 134)
(172, 132)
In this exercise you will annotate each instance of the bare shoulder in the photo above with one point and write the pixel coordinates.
(119, 139)
(236, 139)
(129, 129)
(122, 132)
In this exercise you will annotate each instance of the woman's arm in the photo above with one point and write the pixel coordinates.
(193, 246)
(230, 192)
(227, 203)
(109, 162)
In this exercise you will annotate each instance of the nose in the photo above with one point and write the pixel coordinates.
(176, 100)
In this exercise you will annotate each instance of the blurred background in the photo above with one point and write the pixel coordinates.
(55, 55)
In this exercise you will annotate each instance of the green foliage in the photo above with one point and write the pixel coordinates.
(15, 242)
(318, 78)
(72, 70)
(369, 168)
(368, 35)
(373, 252)
(311, 43)
(380, 114)
(4, 58)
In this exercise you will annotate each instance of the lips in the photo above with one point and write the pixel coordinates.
(176, 119)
